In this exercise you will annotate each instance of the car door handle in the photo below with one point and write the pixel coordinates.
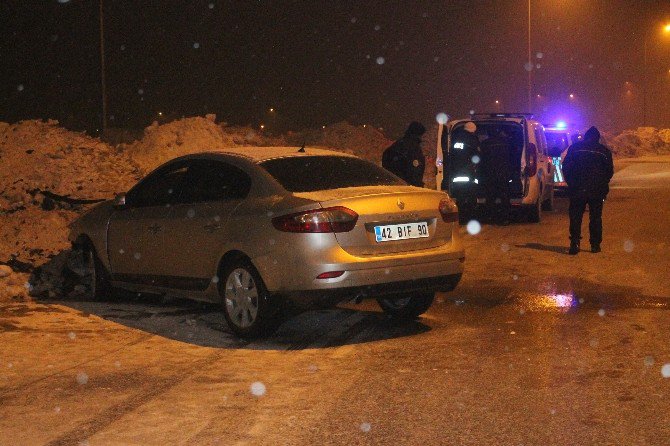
(155, 228)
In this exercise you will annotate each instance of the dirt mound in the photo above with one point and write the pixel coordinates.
(40, 162)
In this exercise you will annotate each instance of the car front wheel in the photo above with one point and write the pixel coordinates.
(409, 306)
(90, 272)
(247, 305)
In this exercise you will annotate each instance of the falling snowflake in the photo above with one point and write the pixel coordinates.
(117, 364)
(380, 60)
(528, 66)
(196, 45)
(593, 343)
(649, 361)
(121, 251)
(137, 255)
(473, 227)
(19, 87)
(190, 213)
(123, 47)
(353, 19)
(211, 6)
(504, 247)
(71, 335)
(665, 370)
(377, 27)
(515, 277)
(313, 368)
(441, 118)
(82, 378)
(628, 246)
(57, 409)
(522, 312)
(257, 388)
(140, 91)
(365, 427)
(215, 279)
(601, 312)
(539, 55)
(472, 112)
(475, 159)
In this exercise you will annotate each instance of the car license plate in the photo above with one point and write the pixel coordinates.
(403, 231)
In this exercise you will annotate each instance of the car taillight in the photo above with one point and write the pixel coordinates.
(531, 160)
(448, 210)
(335, 219)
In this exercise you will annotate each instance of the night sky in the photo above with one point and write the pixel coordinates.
(382, 63)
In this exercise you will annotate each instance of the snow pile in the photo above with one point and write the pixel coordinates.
(40, 161)
(640, 142)
(164, 142)
(364, 141)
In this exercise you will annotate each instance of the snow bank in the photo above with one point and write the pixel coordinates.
(161, 143)
(37, 157)
(643, 141)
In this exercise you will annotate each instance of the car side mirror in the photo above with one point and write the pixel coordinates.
(120, 201)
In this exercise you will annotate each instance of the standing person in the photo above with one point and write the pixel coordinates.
(497, 170)
(458, 160)
(405, 158)
(587, 169)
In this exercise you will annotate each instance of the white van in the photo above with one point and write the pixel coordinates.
(531, 182)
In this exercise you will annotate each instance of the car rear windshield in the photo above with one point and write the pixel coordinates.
(312, 173)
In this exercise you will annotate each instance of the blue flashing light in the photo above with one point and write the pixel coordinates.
(561, 125)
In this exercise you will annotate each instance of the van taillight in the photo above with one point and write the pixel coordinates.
(448, 210)
(335, 219)
(531, 160)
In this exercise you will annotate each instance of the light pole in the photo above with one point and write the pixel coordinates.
(102, 72)
(666, 30)
(529, 66)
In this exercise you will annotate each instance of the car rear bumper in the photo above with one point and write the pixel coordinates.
(333, 296)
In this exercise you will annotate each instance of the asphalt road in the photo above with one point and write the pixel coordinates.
(534, 347)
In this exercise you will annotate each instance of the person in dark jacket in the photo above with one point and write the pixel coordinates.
(458, 160)
(587, 169)
(404, 157)
(497, 172)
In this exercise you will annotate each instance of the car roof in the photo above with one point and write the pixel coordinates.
(260, 154)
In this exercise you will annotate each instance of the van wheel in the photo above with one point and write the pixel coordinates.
(548, 204)
(247, 305)
(535, 211)
(408, 306)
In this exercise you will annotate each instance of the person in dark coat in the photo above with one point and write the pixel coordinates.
(458, 160)
(404, 157)
(587, 168)
(497, 172)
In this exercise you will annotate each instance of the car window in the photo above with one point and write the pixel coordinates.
(312, 173)
(161, 187)
(210, 180)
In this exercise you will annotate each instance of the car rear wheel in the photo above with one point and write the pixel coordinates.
(409, 306)
(535, 211)
(247, 305)
(548, 204)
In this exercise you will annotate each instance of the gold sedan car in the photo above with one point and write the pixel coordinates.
(254, 227)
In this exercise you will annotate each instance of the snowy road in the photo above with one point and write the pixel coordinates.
(534, 347)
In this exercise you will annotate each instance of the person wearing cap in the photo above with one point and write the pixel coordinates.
(587, 168)
(405, 158)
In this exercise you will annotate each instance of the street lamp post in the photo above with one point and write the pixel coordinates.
(102, 71)
(666, 30)
(529, 67)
